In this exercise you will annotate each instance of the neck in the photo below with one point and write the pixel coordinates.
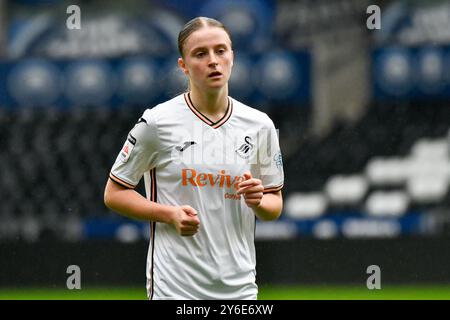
(211, 103)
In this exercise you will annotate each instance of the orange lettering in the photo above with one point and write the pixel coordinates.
(228, 178)
(201, 179)
(232, 196)
(212, 181)
(185, 178)
(222, 178)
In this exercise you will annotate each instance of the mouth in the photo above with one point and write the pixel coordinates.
(214, 74)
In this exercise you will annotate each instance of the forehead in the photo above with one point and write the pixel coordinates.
(207, 37)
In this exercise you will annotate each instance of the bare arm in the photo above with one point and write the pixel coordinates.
(270, 206)
(130, 203)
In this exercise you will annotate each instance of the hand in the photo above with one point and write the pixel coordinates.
(252, 189)
(185, 220)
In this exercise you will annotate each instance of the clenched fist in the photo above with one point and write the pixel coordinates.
(185, 220)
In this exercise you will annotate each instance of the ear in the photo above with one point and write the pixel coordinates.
(232, 57)
(182, 65)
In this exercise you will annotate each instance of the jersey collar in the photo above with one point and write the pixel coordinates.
(215, 125)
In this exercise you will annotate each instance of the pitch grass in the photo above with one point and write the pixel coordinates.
(388, 292)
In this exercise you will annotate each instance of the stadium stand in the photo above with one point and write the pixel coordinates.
(55, 164)
(393, 161)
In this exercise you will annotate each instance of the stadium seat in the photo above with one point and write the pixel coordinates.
(426, 189)
(305, 205)
(392, 203)
(431, 149)
(342, 189)
(424, 167)
(387, 171)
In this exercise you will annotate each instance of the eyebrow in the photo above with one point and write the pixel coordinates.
(205, 48)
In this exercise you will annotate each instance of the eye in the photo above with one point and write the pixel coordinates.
(199, 54)
(221, 51)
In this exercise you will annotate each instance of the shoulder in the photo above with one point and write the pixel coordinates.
(251, 114)
(168, 109)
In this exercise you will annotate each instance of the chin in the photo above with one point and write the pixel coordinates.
(215, 86)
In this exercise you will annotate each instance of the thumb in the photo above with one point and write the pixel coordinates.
(247, 175)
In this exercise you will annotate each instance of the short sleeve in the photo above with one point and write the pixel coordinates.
(138, 154)
(269, 164)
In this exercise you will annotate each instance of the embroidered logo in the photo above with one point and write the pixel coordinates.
(245, 148)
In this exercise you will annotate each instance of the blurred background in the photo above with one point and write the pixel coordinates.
(363, 118)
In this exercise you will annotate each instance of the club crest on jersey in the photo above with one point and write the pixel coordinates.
(245, 149)
(127, 148)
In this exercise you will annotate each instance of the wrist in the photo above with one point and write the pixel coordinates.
(166, 213)
(171, 213)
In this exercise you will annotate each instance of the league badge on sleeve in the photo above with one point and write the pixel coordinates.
(278, 159)
(127, 148)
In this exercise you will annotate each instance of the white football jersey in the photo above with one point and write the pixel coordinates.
(187, 159)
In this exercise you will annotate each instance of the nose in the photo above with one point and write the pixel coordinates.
(212, 60)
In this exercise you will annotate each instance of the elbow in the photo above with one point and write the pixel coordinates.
(113, 197)
(272, 208)
(108, 198)
(272, 217)
(276, 213)
(273, 205)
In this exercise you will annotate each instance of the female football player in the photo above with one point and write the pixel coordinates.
(211, 165)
